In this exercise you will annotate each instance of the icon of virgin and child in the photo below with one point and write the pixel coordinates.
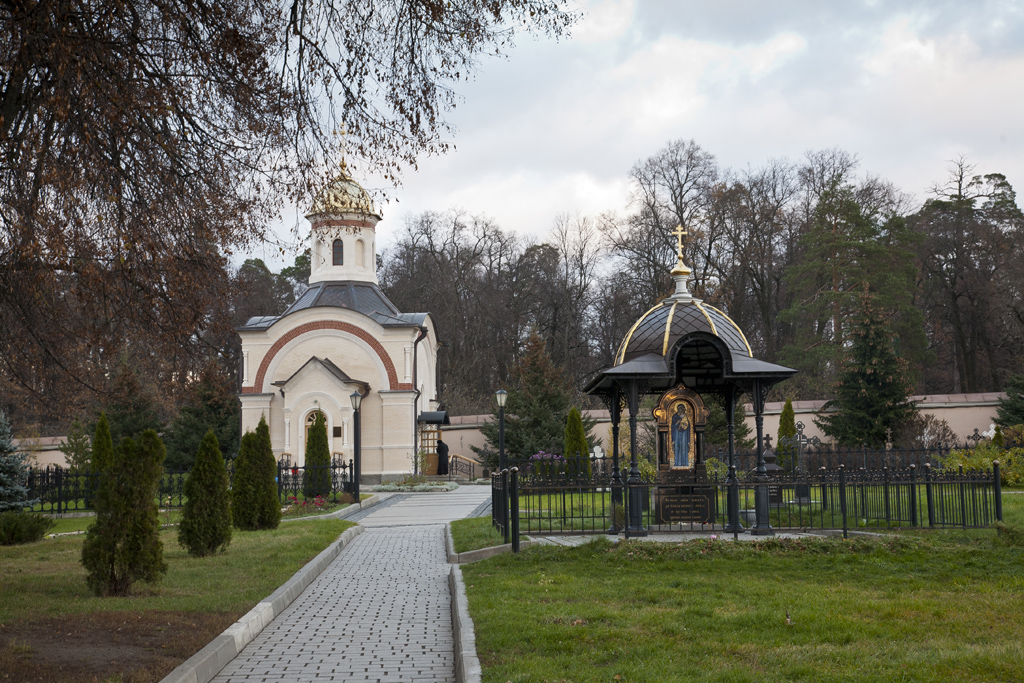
(680, 427)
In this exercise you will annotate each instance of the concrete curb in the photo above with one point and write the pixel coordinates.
(479, 554)
(467, 664)
(207, 663)
(340, 514)
(484, 553)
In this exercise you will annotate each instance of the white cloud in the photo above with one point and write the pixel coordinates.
(557, 127)
(604, 20)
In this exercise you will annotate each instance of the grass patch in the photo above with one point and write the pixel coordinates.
(897, 609)
(475, 533)
(47, 578)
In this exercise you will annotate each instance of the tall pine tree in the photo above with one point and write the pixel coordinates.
(873, 391)
(842, 249)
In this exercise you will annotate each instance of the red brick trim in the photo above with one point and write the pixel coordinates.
(393, 384)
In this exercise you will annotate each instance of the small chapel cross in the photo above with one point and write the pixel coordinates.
(680, 234)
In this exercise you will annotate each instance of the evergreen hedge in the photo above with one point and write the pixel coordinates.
(123, 544)
(254, 492)
(316, 475)
(206, 518)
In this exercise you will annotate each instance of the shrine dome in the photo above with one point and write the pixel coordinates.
(676, 317)
(343, 195)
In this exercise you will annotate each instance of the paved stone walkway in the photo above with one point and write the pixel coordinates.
(381, 610)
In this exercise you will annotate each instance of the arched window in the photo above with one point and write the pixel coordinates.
(339, 253)
(360, 254)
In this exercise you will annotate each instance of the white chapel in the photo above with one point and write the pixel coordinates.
(342, 335)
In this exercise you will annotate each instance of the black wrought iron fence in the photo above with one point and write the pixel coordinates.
(812, 459)
(826, 499)
(59, 490)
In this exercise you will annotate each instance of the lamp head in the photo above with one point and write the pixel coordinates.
(356, 399)
(502, 396)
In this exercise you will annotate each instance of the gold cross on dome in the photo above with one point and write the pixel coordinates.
(680, 234)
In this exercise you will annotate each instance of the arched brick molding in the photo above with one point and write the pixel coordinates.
(393, 383)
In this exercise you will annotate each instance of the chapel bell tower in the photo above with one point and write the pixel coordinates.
(343, 243)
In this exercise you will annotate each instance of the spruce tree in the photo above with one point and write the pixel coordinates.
(133, 409)
(716, 432)
(212, 404)
(787, 431)
(254, 492)
(123, 545)
(873, 391)
(316, 476)
(536, 409)
(576, 451)
(206, 518)
(77, 448)
(1010, 411)
(14, 469)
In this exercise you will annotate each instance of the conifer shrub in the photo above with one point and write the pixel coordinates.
(206, 518)
(787, 430)
(123, 544)
(316, 475)
(23, 527)
(255, 503)
(101, 457)
(576, 451)
(997, 439)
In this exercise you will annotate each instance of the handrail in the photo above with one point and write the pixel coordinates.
(466, 466)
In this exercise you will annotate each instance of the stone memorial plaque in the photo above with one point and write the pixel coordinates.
(685, 508)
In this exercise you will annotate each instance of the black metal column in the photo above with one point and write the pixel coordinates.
(732, 492)
(762, 525)
(358, 452)
(615, 408)
(635, 525)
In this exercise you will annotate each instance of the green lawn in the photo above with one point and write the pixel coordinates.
(47, 579)
(945, 607)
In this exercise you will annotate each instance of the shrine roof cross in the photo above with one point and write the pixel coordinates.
(679, 234)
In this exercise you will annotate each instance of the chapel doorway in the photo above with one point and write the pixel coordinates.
(429, 434)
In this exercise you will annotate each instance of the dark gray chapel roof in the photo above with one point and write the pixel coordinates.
(362, 297)
(333, 369)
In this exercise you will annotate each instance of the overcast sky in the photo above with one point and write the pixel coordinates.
(555, 128)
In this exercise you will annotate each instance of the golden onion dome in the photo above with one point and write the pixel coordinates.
(343, 195)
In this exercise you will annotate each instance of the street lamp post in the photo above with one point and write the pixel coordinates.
(501, 395)
(357, 400)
